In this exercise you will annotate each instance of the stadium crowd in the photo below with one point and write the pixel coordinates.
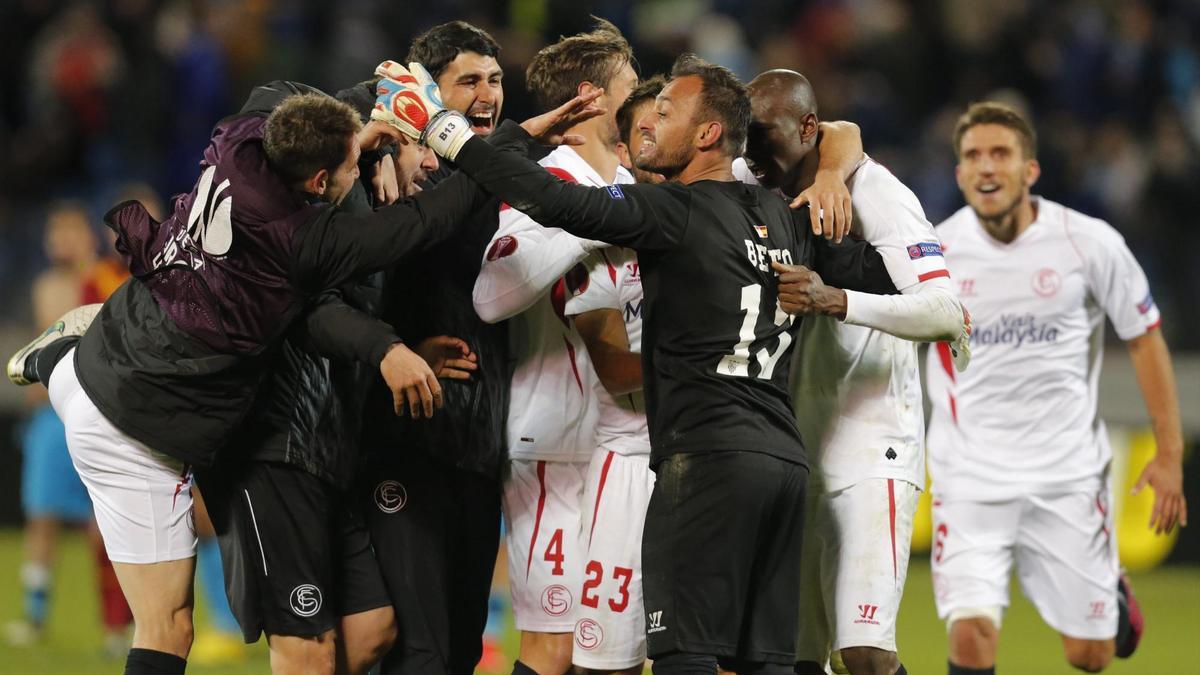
(327, 238)
(93, 94)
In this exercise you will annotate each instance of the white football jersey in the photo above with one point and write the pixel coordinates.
(1023, 417)
(615, 282)
(857, 391)
(553, 409)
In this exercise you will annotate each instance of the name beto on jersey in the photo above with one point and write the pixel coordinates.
(761, 257)
(1015, 329)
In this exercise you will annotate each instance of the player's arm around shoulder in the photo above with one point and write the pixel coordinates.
(522, 263)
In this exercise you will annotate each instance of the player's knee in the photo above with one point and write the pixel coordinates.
(170, 632)
(380, 637)
(547, 652)
(869, 661)
(1091, 656)
(974, 637)
(307, 655)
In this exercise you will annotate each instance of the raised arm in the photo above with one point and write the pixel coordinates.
(642, 217)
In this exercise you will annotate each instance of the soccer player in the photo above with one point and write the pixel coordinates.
(166, 373)
(721, 541)
(437, 552)
(554, 393)
(300, 567)
(606, 308)
(637, 105)
(856, 390)
(1018, 456)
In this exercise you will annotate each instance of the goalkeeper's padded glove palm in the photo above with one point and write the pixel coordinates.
(408, 99)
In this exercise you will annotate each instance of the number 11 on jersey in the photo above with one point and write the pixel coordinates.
(737, 364)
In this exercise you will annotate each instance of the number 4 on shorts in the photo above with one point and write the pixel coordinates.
(554, 553)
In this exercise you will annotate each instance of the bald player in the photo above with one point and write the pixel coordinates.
(856, 389)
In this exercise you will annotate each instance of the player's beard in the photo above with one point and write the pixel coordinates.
(667, 161)
(1004, 222)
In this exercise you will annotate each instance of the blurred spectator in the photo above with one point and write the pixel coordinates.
(91, 97)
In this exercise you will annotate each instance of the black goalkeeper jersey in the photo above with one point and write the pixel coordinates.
(716, 348)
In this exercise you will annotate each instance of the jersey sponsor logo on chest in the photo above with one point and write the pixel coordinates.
(1015, 330)
(761, 257)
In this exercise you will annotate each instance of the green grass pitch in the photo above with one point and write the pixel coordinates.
(1170, 598)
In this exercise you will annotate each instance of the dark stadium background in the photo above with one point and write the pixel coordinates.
(94, 95)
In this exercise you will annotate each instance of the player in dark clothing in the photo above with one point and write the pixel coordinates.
(720, 549)
(172, 362)
(278, 499)
(430, 487)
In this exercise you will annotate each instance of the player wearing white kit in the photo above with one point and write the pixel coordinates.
(553, 412)
(1018, 456)
(610, 630)
(856, 391)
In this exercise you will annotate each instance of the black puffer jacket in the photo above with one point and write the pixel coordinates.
(432, 297)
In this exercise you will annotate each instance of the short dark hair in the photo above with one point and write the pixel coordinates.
(723, 96)
(438, 46)
(993, 112)
(556, 70)
(648, 90)
(306, 133)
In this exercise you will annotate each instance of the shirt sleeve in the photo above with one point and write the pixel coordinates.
(338, 245)
(521, 264)
(600, 290)
(1115, 279)
(340, 332)
(890, 218)
(642, 217)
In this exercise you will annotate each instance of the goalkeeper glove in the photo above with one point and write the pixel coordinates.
(408, 99)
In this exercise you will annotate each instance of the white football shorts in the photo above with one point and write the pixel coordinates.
(1065, 551)
(853, 565)
(543, 512)
(610, 633)
(142, 498)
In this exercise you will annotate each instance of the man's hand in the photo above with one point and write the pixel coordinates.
(1164, 475)
(801, 291)
(411, 381)
(828, 201)
(449, 357)
(550, 128)
(960, 348)
(408, 99)
(384, 183)
(375, 134)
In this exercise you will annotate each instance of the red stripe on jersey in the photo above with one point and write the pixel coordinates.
(892, 525)
(612, 271)
(537, 519)
(953, 408)
(1155, 325)
(574, 367)
(504, 206)
(943, 350)
(599, 493)
(934, 274)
